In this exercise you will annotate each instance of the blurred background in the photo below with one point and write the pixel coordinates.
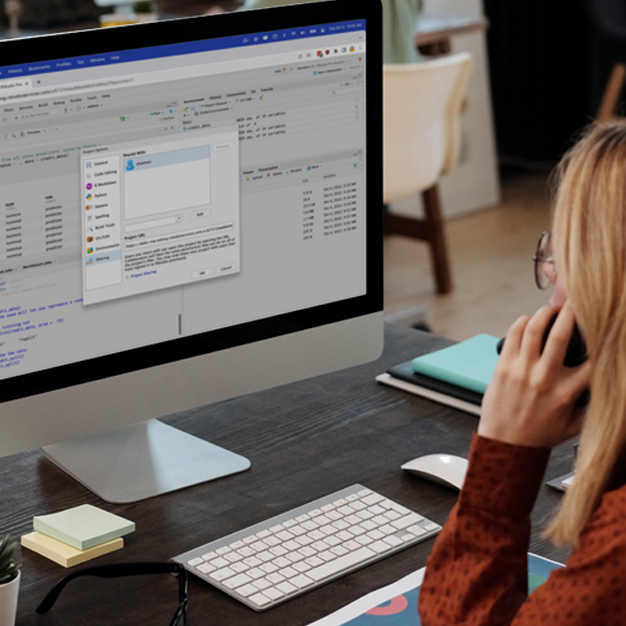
(538, 76)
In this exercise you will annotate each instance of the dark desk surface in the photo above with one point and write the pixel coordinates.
(304, 440)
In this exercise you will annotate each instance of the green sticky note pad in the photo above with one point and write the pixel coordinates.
(83, 526)
(469, 364)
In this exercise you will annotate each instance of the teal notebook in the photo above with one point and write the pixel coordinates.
(83, 526)
(468, 364)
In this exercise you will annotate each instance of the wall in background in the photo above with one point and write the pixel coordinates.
(474, 183)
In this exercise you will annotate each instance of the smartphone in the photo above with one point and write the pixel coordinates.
(575, 354)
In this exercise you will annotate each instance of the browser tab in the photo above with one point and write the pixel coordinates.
(15, 85)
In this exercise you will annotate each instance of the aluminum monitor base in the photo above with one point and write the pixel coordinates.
(142, 461)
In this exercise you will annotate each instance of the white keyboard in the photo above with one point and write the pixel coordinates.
(287, 555)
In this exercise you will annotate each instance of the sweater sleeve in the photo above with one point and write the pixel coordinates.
(477, 571)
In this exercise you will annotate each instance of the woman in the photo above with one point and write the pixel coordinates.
(477, 572)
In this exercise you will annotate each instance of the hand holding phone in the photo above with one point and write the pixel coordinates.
(575, 355)
(530, 399)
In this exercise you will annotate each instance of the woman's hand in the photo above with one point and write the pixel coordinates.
(530, 399)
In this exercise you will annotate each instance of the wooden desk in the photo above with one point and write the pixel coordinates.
(304, 440)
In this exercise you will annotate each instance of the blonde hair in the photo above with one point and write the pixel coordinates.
(589, 228)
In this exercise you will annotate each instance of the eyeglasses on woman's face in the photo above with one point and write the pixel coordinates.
(545, 270)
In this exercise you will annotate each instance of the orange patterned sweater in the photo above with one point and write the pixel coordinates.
(477, 571)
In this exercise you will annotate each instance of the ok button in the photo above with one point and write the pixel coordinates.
(202, 273)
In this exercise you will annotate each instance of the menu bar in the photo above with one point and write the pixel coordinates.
(192, 47)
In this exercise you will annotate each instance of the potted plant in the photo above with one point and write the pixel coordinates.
(9, 581)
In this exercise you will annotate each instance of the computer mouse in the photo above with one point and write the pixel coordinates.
(444, 469)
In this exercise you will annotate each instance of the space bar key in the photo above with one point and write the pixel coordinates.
(341, 563)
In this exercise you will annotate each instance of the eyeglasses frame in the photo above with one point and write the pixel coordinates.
(117, 570)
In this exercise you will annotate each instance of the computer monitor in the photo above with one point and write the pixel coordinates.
(192, 210)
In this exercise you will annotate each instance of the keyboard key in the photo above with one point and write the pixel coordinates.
(239, 567)
(301, 581)
(375, 534)
(247, 590)
(340, 563)
(274, 593)
(373, 498)
(392, 515)
(262, 584)
(286, 587)
(408, 520)
(301, 566)
(247, 551)
(237, 581)
(222, 574)
(256, 572)
(393, 541)
(379, 547)
(260, 600)
(288, 572)
(274, 578)
(205, 568)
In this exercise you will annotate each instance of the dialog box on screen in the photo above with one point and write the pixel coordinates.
(160, 213)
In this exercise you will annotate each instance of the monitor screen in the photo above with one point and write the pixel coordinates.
(179, 200)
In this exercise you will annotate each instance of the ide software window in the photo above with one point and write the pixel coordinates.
(159, 213)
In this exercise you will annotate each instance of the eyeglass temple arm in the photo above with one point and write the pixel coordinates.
(108, 571)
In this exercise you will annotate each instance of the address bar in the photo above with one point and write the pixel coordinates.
(156, 76)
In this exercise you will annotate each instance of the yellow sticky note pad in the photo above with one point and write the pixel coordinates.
(65, 555)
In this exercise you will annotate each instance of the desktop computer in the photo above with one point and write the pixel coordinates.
(191, 210)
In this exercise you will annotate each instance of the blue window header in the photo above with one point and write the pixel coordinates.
(156, 52)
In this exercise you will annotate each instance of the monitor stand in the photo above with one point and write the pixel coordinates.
(142, 461)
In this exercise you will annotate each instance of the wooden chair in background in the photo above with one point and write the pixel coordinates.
(422, 104)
